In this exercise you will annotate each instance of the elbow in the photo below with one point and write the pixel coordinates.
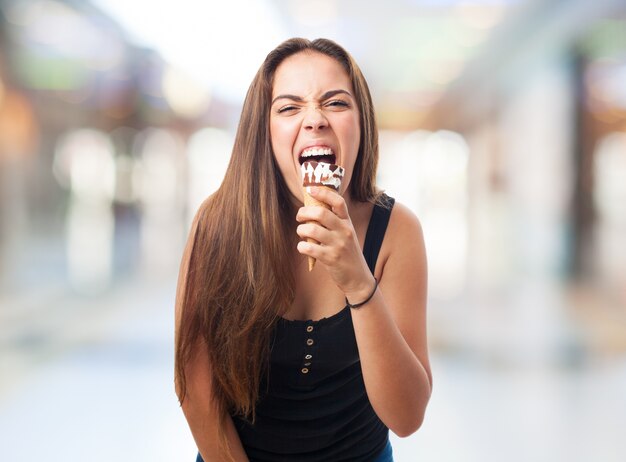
(410, 423)
(410, 417)
(408, 428)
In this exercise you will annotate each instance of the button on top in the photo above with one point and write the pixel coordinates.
(309, 328)
(310, 342)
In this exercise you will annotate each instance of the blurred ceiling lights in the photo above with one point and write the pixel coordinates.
(219, 44)
(410, 51)
(424, 43)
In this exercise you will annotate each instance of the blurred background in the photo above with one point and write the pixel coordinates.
(503, 126)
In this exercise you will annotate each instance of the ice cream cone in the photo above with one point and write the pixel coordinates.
(311, 201)
(323, 175)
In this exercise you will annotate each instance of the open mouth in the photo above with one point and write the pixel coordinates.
(317, 154)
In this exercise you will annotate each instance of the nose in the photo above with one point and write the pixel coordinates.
(314, 119)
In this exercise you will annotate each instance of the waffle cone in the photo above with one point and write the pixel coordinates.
(311, 201)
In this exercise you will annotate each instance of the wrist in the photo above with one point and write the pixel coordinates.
(359, 297)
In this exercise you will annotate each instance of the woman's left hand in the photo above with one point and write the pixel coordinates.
(338, 249)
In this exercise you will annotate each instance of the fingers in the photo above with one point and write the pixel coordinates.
(333, 199)
(328, 218)
(328, 255)
(332, 235)
(320, 215)
(329, 237)
(327, 245)
(328, 241)
(313, 231)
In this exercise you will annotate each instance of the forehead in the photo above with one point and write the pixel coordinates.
(309, 73)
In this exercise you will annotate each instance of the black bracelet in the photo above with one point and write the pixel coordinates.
(358, 305)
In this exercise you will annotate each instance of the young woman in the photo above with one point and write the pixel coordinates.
(276, 363)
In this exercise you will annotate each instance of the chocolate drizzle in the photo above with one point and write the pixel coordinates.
(321, 174)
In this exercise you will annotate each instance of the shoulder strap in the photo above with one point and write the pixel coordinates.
(376, 230)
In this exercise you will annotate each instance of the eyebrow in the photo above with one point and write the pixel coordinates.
(325, 96)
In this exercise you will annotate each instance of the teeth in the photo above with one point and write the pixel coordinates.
(311, 152)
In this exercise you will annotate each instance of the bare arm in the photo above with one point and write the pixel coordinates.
(198, 405)
(391, 328)
(203, 418)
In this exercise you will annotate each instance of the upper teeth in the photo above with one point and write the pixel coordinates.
(310, 152)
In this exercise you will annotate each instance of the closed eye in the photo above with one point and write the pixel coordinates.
(337, 103)
(286, 109)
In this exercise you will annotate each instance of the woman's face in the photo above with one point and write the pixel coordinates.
(314, 112)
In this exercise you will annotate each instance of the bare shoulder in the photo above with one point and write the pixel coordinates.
(404, 239)
(404, 222)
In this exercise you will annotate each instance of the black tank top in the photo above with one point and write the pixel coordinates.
(315, 407)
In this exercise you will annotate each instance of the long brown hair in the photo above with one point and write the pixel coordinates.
(237, 275)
